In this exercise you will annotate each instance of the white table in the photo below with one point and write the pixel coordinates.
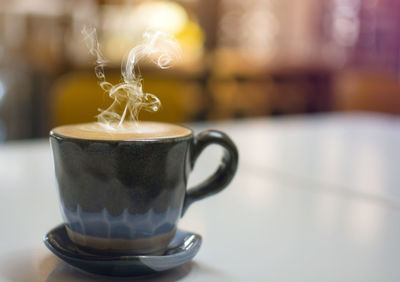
(316, 198)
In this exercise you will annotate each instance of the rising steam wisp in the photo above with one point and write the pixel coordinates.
(128, 96)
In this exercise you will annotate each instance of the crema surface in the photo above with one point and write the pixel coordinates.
(127, 131)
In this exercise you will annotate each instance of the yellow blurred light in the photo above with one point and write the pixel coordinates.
(191, 36)
(166, 16)
(125, 25)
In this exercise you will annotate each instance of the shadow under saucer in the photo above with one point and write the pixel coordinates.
(67, 273)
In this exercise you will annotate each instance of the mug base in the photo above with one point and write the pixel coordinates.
(156, 245)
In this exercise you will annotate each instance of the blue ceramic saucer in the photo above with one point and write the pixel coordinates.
(182, 249)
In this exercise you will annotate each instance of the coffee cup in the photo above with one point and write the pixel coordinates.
(124, 191)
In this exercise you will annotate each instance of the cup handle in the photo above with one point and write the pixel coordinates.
(225, 172)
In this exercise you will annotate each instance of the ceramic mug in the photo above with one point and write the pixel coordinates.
(126, 196)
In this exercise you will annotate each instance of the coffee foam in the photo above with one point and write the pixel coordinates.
(126, 131)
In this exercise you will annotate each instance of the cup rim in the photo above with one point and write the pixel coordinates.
(56, 135)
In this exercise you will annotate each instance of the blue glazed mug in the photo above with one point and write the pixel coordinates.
(125, 194)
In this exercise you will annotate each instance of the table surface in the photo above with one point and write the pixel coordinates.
(316, 198)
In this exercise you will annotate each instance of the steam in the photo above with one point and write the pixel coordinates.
(128, 96)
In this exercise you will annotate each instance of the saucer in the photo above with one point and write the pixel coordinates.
(183, 247)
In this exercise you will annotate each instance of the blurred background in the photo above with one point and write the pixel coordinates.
(241, 59)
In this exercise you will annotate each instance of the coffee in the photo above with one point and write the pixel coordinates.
(127, 131)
